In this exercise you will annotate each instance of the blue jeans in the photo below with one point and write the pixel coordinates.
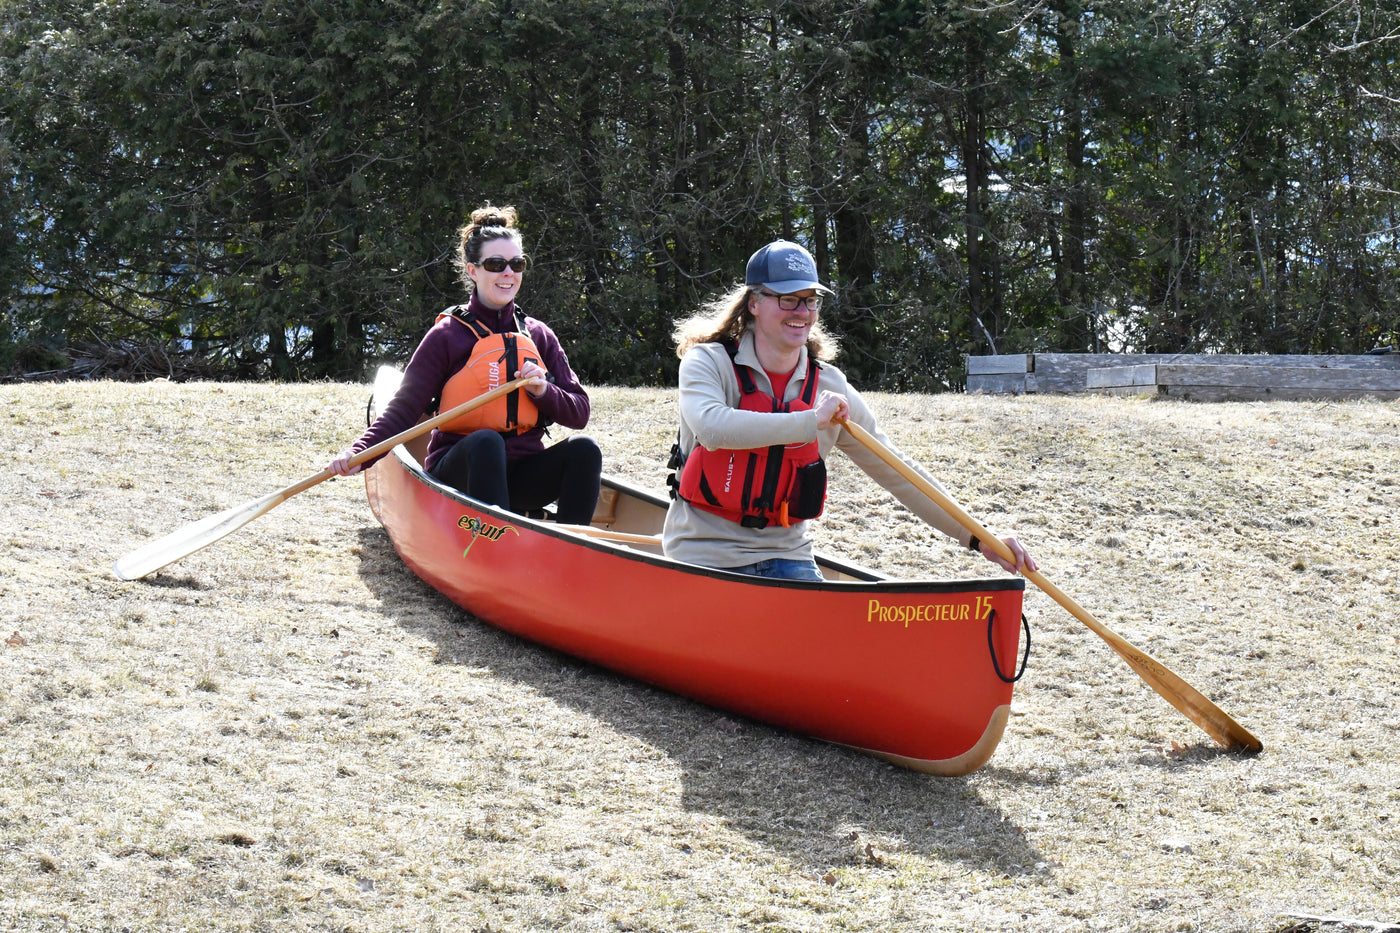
(782, 568)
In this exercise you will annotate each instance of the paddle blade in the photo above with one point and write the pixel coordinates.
(203, 533)
(1191, 702)
(191, 538)
(1186, 698)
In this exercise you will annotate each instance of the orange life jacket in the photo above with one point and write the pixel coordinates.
(781, 483)
(494, 361)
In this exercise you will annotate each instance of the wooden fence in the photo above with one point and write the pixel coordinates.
(1197, 377)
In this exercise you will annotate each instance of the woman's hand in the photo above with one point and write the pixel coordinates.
(537, 375)
(341, 465)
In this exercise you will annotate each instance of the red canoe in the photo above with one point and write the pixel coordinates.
(915, 671)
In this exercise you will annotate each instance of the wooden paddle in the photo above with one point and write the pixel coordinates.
(205, 532)
(1176, 691)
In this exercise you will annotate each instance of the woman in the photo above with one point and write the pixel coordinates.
(761, 407)
(496, 454)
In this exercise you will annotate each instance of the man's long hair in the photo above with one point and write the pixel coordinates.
(727, 317)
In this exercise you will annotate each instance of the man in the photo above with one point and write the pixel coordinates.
(761, 406)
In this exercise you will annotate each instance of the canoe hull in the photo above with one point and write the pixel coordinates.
(901, 669)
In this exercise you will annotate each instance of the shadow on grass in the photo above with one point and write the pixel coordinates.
(165, 580)
(814, 803)
(1201, 753)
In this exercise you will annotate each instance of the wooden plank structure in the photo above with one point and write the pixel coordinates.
(1208, 383)
(1198, 377)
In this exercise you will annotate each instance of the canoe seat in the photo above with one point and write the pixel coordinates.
(606, 512)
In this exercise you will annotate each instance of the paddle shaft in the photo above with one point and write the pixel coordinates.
(201, 534)
(1190, 701)
(403, 437)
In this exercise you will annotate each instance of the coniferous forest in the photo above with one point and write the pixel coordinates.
(271, 189)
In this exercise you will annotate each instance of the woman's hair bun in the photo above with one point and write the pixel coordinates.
(490, 216)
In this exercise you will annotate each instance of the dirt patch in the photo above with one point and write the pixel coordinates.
(289, 730)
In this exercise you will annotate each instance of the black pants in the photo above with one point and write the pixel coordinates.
(568, 472)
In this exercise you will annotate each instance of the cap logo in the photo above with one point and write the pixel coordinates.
(796, 263)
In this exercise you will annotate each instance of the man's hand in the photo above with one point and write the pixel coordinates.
(1024, 563)
(831, 409)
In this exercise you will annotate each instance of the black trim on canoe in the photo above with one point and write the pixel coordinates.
(864, 576)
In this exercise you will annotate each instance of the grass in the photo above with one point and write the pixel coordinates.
(289, 731)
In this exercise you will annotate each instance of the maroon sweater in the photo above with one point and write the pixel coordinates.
(444, 350)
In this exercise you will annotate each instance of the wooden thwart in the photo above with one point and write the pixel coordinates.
(608, 534)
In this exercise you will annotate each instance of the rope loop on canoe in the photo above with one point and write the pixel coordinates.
(991, 646)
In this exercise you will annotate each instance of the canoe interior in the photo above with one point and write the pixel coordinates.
(622, 507)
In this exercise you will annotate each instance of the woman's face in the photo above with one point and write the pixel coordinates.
(497, 289)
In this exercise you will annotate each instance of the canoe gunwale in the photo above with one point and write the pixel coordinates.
(865, 578)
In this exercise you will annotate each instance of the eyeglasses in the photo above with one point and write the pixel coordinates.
(790, 302)
(499, 263)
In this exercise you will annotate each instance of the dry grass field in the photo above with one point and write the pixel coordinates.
(289, 731)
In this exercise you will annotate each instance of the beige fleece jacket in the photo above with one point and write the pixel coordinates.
(710, 416)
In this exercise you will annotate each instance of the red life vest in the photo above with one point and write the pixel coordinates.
(493, 362)
(778, 484)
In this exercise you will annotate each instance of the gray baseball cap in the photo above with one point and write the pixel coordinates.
(784, 267)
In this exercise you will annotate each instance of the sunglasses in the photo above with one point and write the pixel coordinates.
(499, 263)
(790, 302)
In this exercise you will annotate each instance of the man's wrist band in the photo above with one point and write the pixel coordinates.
(974, 545)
